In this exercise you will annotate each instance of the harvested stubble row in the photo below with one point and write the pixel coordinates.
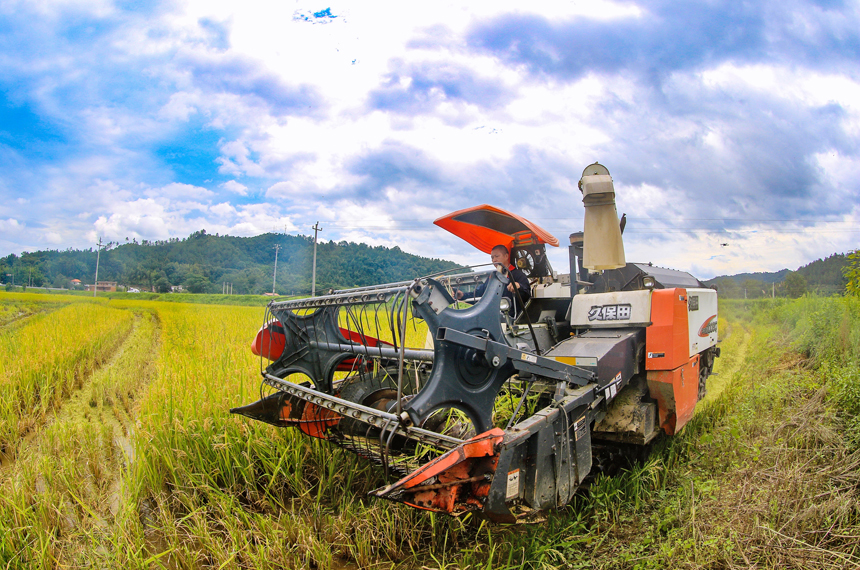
(44, 360)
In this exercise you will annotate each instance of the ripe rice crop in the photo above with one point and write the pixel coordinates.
(43, 360)
(199, 488)
(15, 307)
(247, 494)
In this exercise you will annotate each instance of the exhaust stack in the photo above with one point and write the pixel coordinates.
(603, 248)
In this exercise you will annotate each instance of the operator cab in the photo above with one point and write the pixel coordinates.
(486, 226)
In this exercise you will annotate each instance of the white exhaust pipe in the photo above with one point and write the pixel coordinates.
(602, 246)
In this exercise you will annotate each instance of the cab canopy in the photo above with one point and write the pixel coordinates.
(486, 226)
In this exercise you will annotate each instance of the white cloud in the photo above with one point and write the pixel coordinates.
(178, 190)
(180, 107)
(223, 209)
(235, 187)
(144, 218)
(10, 225)
(150, 79)
(283, 190)
(237, 162)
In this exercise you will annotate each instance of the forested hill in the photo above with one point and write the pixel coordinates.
(203, 262)
(822, 276)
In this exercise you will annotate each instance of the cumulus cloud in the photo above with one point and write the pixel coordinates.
(10, 225)
(144, 218)
(246, 78)
(423, 87)
(177, 190)
(235, 187)
(667, 37)
(283, 190)
(223, 209)
(719, 122)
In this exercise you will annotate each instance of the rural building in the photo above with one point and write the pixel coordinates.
(104, 286)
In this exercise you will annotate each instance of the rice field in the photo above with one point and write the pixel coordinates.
(119, 451)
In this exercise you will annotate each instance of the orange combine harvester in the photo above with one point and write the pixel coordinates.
(499, 413)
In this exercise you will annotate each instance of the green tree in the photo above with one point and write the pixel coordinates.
(196, 283)
(795, 284)
(852, 273)
(162, 285)
(752, 289)
(728, 288)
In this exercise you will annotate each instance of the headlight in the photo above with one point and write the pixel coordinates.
(648, 282)
(505, 304)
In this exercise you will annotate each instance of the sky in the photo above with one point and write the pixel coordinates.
(731, 129)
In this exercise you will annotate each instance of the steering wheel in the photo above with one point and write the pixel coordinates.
(524, 261)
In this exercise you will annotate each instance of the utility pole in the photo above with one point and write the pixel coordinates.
(316, 229)
(98, 254)
(275, 272)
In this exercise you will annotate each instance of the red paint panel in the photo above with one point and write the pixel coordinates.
(473, 459)
(488, 226)
(676, 392)
(667, 344)
(270, 341)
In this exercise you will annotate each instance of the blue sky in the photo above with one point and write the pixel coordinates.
(721, 123)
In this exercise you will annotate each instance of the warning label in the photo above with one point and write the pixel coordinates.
(579, 428)
(513, 489)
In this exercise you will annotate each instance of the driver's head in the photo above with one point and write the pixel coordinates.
(499, 254)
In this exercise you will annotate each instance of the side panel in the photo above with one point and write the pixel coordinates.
(667, 340)
(676, 392)
(614, 309)
(702, 319)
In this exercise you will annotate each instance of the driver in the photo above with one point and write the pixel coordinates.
(501, 257)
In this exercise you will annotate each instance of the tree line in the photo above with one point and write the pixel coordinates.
(827, 276)
(203, 263)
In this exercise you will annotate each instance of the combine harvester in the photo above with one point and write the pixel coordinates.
(499, 414)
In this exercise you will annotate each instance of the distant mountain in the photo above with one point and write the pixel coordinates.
(764, 277)
(204, 262)
(822, 276)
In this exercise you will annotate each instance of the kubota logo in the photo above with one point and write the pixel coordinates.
(610, 313)
(709, 327)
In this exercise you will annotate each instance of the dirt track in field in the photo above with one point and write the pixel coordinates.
(729, 363)
(103, 404)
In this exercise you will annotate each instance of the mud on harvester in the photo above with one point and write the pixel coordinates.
(474, 408)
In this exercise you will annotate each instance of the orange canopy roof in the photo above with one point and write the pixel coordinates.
(486, 226)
